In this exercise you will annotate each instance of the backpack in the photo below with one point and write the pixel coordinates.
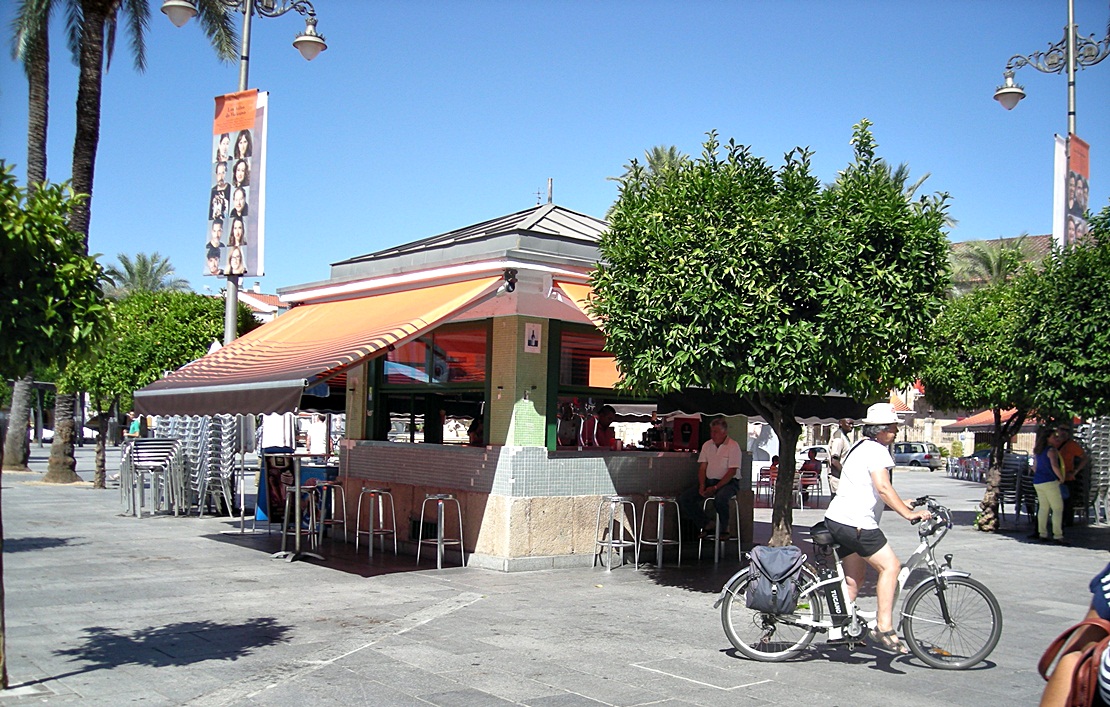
(1084, 676)
(774, 572)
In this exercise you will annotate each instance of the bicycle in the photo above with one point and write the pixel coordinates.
(950, 620)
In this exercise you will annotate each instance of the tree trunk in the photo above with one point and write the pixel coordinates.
(987, 520)
(87, 137)
(779, 411)
(17, 440)
(37, 67)
(62, 468)
(100, 477)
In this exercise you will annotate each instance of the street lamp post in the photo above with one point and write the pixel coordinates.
(1071, 52)
(308, 43)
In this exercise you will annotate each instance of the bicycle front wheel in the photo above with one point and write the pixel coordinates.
(972, 631)
(769, 637)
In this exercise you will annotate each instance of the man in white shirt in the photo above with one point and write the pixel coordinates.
(838, 447)
(717, 466)
(853, 517)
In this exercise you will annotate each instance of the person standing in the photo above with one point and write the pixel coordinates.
(603, 430)
(717, 466)
(318, 436)
(1048, 476)
(853, 518)
(1073, 458)
(838, 447)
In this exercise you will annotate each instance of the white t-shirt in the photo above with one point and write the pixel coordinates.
(718, 460)
(318, 437)
(857, 503)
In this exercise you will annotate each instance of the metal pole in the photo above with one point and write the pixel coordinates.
(231, 292)
(1071, 32)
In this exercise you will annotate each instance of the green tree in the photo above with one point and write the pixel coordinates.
(146, 273)
(1037, 341)
(92, 26)
(1069, 328)
(51, 290)
(31, 47)
(151, 332)
(733, 275)
(975, 363)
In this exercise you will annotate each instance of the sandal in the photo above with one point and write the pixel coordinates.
(889, 640)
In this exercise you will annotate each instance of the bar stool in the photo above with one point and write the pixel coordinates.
(614, 507)
(307, 492)
(377, 500)
(659, 540)
(709, 507)
(439, 499)
(332, 488)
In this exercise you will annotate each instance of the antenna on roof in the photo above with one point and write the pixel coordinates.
(550, 190)
(539, 195)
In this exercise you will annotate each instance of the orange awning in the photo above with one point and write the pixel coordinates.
(268, 369)
(579, 294)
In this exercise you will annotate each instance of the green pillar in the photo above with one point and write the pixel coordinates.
(518, 388)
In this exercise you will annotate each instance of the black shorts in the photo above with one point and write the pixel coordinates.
(855, 541)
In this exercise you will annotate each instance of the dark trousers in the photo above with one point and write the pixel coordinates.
(691, 503)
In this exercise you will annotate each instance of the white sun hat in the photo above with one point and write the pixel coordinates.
(881, 414)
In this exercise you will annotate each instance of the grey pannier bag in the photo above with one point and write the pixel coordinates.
(774, 572)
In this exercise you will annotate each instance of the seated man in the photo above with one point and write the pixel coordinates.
(717, 466)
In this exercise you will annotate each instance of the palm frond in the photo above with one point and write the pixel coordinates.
(218, 22)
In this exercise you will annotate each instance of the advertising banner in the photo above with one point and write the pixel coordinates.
(1077, 189)
(236, 201)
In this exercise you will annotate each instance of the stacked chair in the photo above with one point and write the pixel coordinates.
(1095, 438)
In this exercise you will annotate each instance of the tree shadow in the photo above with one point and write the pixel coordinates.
(178, 644)
(34, 543)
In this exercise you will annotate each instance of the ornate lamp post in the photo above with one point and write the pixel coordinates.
(308, 43)
(1066, 55)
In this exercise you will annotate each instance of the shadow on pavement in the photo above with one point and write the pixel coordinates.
(34, 543)
(176, 644)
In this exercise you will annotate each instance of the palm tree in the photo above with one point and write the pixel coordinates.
(146, 273)
(658, 159)
(983, 263)
(92, 28)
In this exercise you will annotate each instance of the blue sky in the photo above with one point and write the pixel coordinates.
(424, 116)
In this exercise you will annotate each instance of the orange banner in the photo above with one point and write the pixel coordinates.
(235, 111)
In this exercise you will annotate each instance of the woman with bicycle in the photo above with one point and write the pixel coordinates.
(853, 517)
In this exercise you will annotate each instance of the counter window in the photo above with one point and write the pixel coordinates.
(583, 361)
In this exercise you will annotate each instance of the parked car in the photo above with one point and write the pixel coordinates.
(918, 454)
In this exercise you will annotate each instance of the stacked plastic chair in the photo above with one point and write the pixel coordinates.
(1095, 437)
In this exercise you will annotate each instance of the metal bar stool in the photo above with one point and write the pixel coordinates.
(332, 489)
(440, 499)
(291, 515)
(615, 509)
(659, 541)
(377, 500)
(717, 542)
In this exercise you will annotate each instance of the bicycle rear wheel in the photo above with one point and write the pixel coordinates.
(969, 636)
(769, 637)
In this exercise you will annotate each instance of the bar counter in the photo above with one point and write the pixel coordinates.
(523, 507)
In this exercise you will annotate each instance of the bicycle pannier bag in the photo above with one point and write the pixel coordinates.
(774, 588)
